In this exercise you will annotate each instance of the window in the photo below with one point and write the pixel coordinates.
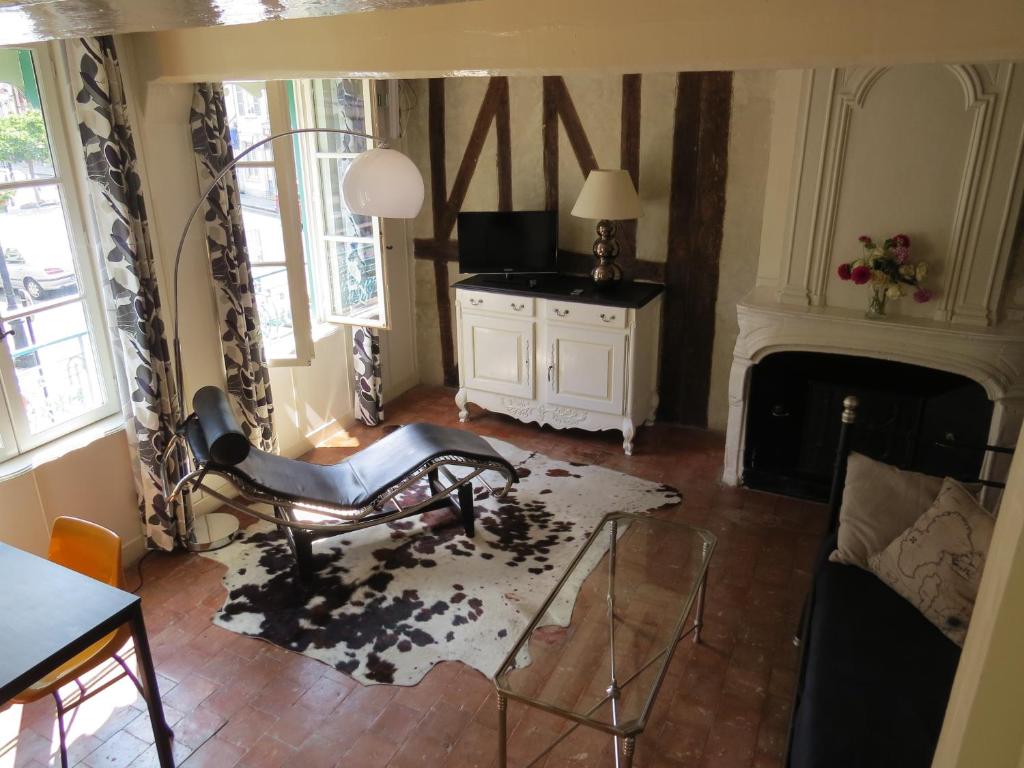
(56, 372)
(255, 111)
(343, 273)
(349, 262)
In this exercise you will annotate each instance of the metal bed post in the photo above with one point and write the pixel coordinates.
(835, 499)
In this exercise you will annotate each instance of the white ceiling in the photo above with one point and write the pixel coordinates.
(28, 21)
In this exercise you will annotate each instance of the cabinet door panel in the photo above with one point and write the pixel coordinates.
(587, 368)
(498, 354)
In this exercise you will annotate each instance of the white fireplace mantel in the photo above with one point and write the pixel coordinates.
(992, 356)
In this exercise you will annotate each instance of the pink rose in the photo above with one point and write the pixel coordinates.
(922, 295)
(860, 274)
(844, 271)
(864, 239)
(902, 241)
(902, 254)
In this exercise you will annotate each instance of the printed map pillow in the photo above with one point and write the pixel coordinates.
(936, 563)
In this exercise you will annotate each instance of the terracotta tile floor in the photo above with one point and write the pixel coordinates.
(236, 701)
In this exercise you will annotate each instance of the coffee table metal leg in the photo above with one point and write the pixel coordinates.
(700, 608)
(502, 729)
(161, 732)
(628, 745)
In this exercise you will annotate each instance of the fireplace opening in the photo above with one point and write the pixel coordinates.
(910, 416)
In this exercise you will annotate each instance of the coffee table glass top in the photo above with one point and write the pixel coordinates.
(563, 662)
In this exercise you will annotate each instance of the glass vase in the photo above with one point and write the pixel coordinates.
(876, 305)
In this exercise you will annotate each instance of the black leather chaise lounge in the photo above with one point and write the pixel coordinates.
(313, 501)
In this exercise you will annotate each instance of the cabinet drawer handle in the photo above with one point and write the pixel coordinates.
(517, 307)
(561, 312)
(476, 302)
(607, 318)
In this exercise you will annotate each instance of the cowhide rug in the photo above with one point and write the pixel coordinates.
(391, 601)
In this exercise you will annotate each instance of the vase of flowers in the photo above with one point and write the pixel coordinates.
(887, 269)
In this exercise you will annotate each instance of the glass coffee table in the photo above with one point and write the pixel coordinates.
(599, 660)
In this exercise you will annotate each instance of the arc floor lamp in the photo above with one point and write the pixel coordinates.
(380, 182)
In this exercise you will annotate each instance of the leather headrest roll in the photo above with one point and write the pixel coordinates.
(227, 444)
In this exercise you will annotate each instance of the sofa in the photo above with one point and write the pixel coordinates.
(874, 678)
(875, 670)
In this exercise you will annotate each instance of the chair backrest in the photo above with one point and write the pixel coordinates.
(87, 548)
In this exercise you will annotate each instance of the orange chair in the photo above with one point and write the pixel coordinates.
(93, 551)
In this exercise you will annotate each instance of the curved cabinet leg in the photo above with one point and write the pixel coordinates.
(461, 398)
(628, 431)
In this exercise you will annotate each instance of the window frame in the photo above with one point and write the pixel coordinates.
(69, 180)
(317, 237)
(289, 207)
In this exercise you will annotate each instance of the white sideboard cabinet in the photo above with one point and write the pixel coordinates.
(559, 352)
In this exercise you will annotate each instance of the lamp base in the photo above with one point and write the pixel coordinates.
(606, 273)
(212, 531)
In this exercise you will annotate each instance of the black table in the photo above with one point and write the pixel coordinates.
(51, 613)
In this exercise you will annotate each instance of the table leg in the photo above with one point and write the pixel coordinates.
(502, 730)
(628, 745)
(161, 732)
(700, 608)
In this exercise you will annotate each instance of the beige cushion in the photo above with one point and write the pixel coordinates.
(936, 563)
(879, 503)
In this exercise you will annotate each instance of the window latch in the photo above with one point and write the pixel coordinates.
(4, 333)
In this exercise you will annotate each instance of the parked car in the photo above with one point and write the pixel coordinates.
(38, 277)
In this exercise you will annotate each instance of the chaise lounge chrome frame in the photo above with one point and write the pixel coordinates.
(293, 515)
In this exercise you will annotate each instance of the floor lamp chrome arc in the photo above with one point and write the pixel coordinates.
(381, 182)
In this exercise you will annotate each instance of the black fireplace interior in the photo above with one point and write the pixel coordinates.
(909, 416)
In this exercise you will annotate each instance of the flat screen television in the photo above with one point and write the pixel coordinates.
(508, 242)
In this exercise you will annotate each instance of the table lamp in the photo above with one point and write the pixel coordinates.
(609, 196)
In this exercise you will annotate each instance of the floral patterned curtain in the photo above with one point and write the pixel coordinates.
(130, 275)
(369, 407)
(248, 376)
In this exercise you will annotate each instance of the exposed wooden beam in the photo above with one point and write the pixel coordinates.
(549, 130)
(449, 366)
(439, 202)
(436, 137)
(696, 212)
(503, 130)
(629, 157)
(484, 118)
(573, 127)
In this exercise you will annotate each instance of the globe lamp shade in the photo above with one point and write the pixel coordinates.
(384, 183)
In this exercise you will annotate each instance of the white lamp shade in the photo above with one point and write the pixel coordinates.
(383, 182)
(608, 194)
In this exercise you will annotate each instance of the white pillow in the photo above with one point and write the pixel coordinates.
(936, 564)
(879, 503)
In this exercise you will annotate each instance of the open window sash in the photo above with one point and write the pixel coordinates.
(348, 268)
(291, 229)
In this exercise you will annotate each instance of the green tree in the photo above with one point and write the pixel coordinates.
(23, 138)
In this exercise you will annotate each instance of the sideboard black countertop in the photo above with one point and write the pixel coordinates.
(628, 295)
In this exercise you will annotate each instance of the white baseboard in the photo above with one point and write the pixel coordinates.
(132, 550)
